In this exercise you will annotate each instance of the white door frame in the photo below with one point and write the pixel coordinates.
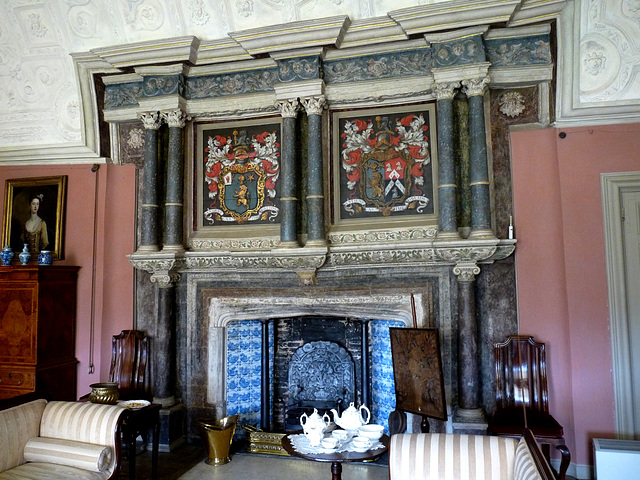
(612, 187)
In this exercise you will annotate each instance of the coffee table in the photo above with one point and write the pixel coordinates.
(338, 458)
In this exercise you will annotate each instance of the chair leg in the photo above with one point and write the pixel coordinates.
(564, 462)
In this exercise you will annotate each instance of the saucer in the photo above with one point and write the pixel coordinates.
(360, 449)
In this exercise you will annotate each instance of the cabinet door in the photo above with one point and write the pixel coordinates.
(18, 316)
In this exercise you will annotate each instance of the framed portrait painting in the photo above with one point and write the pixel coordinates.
(34, 215)
(384, 166)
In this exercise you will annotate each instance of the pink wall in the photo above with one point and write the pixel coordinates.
(108, 196)
(561, 270)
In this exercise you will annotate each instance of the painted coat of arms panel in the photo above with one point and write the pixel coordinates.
(385, 163)
(240, 175)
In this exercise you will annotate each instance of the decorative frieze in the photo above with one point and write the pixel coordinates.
(376, 66)
(231, 83)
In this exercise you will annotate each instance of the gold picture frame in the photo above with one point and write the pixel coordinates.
(51, 195)
(384, 167)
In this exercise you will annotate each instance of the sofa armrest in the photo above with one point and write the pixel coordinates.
(19, 421)
(86, 422)
(530, 463)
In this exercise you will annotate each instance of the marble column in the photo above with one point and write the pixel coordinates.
(478, 167)
(164, 347)
(469, 382)
(288, 198)
(173, 205)
(315, 184)
(149, 213)
(447, 185)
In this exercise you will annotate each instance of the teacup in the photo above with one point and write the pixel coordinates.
(329, 443)
(372, 431)
(341, 435)
(361, 443)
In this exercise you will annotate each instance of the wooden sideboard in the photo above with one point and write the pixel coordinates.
(38, 330)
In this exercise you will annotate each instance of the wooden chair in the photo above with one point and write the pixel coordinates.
(129, 357)
(522, 399)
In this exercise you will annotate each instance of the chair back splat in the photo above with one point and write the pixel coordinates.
(522, 399)
(129, 357)
(521, 373)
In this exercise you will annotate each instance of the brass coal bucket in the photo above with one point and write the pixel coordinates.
(218, 436)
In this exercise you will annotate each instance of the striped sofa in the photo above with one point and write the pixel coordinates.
(59, 440)
(445, 456)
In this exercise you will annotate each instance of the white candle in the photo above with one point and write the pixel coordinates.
(510, 228)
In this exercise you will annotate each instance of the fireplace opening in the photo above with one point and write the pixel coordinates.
(322, 377)
(313, 362)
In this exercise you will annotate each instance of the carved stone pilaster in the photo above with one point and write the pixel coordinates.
(314, 105)
(288, 108)
(475, 86)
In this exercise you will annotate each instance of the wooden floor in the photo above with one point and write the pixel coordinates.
(171, 465)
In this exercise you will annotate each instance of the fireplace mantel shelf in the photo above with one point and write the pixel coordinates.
(166, 266)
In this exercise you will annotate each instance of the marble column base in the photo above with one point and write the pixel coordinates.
(289, 244)
(482, 233)
(172, 433)
(470, 421)
(147, 248)
(178, 248)
(448, 236)
(166, 402)
(316, 243)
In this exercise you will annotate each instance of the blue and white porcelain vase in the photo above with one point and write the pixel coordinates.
(7, 255)
(45, 258)
(25, 256)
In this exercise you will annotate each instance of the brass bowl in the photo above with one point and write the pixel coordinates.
(106, 392)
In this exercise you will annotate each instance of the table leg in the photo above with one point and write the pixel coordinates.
(154, 451)
(336, 471)
(131, 444)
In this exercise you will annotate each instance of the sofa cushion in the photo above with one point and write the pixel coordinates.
(440, 456)
(17, 425)
(50, 471)
(87, 456)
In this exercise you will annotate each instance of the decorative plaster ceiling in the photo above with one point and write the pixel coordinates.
(40, 107)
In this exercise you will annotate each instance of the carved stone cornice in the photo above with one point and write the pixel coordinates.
(314, 105)
(175, 118)
(288, 108)
(150, 120)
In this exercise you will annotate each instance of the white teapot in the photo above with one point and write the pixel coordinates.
(314, 426)
(351, 418)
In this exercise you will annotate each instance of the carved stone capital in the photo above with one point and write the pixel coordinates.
(288, 108)
(150, 120)
(175, 118)
(314, 105)
(475, 86)
(466, 272)
(445, 90)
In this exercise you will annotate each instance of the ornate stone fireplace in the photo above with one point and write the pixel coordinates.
(445, 243)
